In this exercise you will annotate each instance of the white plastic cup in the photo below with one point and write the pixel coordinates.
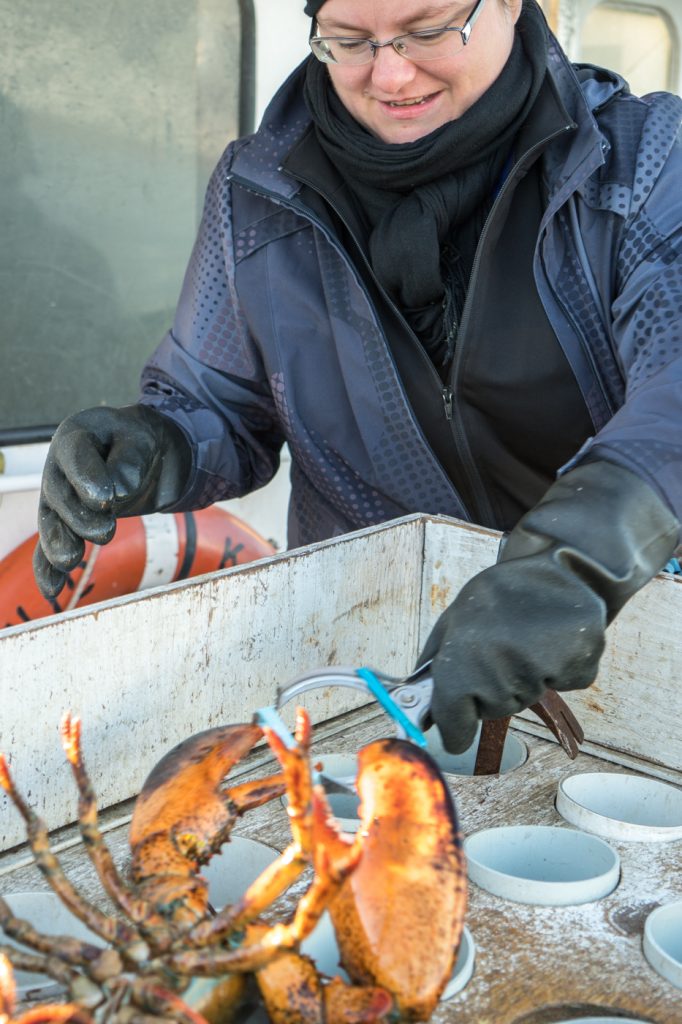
(514, 754)
(603, 1020)
(621, 806)
(463, 968)
(541, 864)
(662, 942)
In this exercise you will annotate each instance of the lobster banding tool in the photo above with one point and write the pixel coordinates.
(407, 700)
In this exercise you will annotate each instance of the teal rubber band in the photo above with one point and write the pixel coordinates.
(389, 705)
(269, 718)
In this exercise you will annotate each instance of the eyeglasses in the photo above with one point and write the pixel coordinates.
(426, 44)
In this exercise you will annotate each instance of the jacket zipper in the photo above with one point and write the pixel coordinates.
(447, 397)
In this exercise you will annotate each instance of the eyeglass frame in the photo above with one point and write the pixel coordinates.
(464, 31)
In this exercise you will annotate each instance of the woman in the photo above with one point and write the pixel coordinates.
(445, 270)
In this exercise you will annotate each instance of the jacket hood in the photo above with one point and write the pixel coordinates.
(599, 85)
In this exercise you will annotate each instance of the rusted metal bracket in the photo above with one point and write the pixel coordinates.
(551, 709)
(491, 745)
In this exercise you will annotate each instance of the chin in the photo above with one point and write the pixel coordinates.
(397, 134)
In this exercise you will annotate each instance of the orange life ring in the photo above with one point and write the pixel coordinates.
(146, 551)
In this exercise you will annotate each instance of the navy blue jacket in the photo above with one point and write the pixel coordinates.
(277, 337)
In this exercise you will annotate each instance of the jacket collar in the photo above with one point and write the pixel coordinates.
(259, 157)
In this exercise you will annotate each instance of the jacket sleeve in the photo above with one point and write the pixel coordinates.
(645, 434)
(207, 374)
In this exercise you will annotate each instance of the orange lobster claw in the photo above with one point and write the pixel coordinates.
(400, 914)
(182, 816)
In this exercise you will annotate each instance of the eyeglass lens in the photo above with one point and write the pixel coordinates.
(425, 46)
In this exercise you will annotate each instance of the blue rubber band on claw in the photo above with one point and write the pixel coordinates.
(381, 694)
(269, 719)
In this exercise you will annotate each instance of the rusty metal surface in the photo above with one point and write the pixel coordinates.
(552, 710)
(491, 746)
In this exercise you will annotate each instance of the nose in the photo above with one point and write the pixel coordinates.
(390, 71)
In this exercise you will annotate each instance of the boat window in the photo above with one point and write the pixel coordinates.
(111, 119)
(638, 41)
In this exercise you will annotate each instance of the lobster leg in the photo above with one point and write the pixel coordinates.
(334, 859)
(48, 965)
(292, 990)
(39, 1015)
(108, 928)
(81, 989)
(66, 1013)
(161, 1002)
(138, 910)
(295, 762)
(65, 948)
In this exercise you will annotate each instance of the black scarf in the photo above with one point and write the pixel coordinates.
(425, 202)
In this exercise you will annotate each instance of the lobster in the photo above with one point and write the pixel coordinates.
(395, 892)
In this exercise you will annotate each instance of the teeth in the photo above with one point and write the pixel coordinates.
(406, 103)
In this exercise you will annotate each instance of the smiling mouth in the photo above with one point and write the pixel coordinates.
(416, 102)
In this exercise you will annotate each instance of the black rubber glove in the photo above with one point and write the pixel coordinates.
(104, 463)
(537, 618)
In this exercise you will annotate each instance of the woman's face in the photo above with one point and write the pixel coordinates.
(397, 100)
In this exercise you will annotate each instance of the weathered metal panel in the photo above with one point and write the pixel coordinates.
(144, 672)
(635, 704)
(453, 552)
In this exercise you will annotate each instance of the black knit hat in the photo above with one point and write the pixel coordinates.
(312, 7)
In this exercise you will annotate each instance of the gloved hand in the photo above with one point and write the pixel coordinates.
(104, 463)
(537, 618)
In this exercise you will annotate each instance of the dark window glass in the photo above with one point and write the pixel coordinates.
(111, 119)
